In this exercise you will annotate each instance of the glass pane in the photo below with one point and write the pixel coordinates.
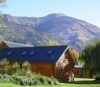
(9, 53)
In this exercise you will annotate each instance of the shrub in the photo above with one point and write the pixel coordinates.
(35, 79)
(20, 72)
(29, 74)
(28, 79)
(5, 66)
(16, 67)
(16, 80)
(26, 66)
(43, 80)
(5, 78)
(56, 82)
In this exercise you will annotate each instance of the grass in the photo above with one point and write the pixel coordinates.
(79, 82)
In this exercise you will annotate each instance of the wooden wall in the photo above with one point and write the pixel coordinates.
(44, 68)
(64, 67)
(71, 62)
(78, 72)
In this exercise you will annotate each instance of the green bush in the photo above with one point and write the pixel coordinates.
(43, 80)
(15, 67)
(5, 78)
(35, 79)
(5, 66)
(16, 80)
(56, 82)
(29, 74)
(20, 72)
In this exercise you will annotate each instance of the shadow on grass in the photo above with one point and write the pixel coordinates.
(86, 82)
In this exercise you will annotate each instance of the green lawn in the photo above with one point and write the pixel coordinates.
(79, 82)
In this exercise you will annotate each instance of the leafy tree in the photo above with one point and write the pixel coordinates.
(26, 66)
(91, 56)
(16, 67)
(5, 66)
(75, 53)
(50, 43)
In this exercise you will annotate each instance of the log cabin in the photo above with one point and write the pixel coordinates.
(54, 61)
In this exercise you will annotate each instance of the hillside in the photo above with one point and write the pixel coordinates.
(57, 27)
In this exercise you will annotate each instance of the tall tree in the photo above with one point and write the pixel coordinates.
(91, 56)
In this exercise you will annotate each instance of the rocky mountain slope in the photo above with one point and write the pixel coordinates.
(57, 27)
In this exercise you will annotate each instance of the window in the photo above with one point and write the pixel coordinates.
(32, 52)
(47, 67)
(76, 72)
(24, 53)
(50, 52)
(33, 67)
(9, 53)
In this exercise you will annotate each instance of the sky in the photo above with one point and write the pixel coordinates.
(87, 10)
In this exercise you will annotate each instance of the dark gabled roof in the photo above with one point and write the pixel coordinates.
(39, 54)
(13, 44)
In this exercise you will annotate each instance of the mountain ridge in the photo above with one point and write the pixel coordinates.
(65, 29)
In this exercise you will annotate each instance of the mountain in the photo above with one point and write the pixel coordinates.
(59, 28)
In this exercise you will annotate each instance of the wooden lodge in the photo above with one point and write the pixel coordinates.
(54, 61)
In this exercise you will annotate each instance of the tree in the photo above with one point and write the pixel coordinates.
(5, 66)
(25, 67)
(50, 43)
(75, 53)
(91, 56)
(16, 67)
